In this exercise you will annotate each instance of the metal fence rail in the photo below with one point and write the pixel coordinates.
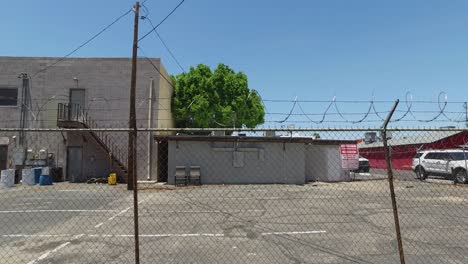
(235, 196)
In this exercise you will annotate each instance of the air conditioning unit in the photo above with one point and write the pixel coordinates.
(43, 154)
(370, 137)
(218, 133)
(30, 154)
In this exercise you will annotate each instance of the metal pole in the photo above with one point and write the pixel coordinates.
(132, 177)
(464, 158)
(466, 113)
(388, 159)
(23, 110)
(24, 116)
(150, 134)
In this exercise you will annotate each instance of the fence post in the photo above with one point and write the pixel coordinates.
(388, 160)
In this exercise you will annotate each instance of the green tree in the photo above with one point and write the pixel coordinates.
(219, 98)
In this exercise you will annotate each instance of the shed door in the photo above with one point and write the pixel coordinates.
(3, 157)
(74, 164)
(163, 160)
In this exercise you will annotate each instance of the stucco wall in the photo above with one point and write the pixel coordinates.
(95, 161)
(249, 163)
(323, 163)
(106, 81)
(107, 88)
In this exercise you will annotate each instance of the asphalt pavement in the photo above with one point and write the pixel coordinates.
(347, 222)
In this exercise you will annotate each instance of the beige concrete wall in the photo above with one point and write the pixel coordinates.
(107, 88)
(164, 95)
(240, 163)
(323, 163)
(106, 82)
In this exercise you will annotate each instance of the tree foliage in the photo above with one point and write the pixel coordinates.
(219, 98)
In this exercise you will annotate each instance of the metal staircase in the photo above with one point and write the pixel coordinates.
(74, 116)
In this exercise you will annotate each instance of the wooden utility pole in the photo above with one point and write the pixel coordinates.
(132, 119)
(132, 136)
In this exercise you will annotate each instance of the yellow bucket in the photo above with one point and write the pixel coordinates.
(112, 179)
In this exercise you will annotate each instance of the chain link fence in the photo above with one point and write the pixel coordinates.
(234, 196)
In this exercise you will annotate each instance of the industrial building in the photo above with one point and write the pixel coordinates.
(403, 147)
(46, 92)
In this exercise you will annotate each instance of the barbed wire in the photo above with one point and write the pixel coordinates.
(334, 111)
(442, 104)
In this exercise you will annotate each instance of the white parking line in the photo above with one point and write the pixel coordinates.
(45, 255)
(61, 246)
(120, 213)
(123, 211)
(295, 233)
(163, 235)
(240, 198)
(126, 210)
(56, 211)
(205, 211)
(36, 235)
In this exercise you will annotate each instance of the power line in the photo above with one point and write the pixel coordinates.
(84, 43)
(164, 43)
(162, 21)
(160, 74)
(156, 68)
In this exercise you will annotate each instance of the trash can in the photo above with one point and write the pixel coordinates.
(17, 176)
(27, 177)
(7, 178)
(37, 174)
(45, 171)
(56, 174)
(45, 180)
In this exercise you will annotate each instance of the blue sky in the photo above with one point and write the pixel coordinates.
(310, 49)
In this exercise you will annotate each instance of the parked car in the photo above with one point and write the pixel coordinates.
(364, 165)
(448, 163)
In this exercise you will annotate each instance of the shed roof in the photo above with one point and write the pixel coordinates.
(306, 140)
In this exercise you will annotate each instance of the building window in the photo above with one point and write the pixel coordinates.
(8, 96)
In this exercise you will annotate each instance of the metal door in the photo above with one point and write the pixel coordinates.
(3, 157)
(77, 103)
(74, 164)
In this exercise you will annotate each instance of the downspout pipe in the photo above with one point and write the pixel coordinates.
(150, 133)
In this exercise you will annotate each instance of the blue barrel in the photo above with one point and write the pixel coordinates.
(45, 180)
(37, 174)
